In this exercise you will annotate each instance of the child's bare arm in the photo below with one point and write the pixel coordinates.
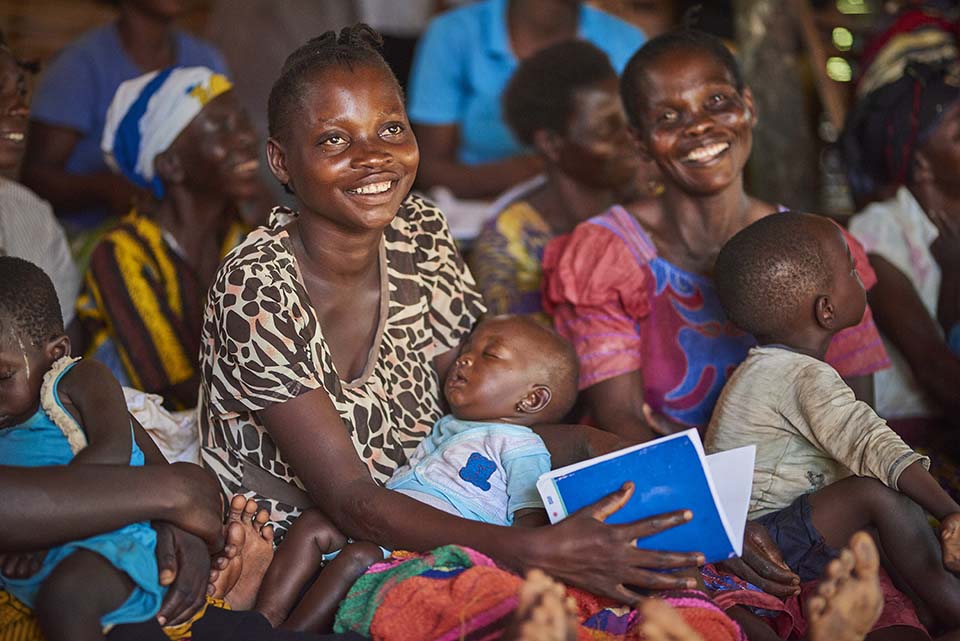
(916, 482)
(530, 517)
(95, 399)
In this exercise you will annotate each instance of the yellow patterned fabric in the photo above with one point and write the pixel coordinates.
(142, 305)
(507, 261)
(17, 622)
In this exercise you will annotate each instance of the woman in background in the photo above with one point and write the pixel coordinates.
(564, 103)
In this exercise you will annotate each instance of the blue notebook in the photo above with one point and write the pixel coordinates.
(670, 473)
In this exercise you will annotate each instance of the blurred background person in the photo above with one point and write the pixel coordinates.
(63, 162)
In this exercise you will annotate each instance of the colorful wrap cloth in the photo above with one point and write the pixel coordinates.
(787, 617)
(911, 78)
(149, 112)
(454, 594)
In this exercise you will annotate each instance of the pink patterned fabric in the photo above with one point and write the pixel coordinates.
(625, 308)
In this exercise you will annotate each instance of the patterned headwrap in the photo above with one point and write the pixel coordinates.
(149, 112)
(913, 77)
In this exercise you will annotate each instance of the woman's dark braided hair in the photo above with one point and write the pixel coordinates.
(358, 45)
(685, 39)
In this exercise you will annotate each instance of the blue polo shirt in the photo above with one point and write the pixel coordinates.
(463, 63)
(76, 89)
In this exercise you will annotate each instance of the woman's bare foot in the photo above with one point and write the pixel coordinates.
(237, 573)
(848, 600)
(950, 541)
(225, 568)
(544, 612)
(662, 623)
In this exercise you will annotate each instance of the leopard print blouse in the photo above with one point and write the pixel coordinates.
(262, 344)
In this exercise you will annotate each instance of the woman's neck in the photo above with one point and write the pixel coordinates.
(564, 203)
(146, 39)
(535, 24)
(335, 256)
(195, 222)
(932, 200)
(702, 224)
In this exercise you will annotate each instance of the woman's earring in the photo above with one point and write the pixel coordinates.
(654, 188)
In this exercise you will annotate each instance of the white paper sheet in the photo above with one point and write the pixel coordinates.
(732, 473)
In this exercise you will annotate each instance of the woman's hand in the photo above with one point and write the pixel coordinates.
(762, 564)
(21, 566)
(184, 565)
(198, 507)
(584, 551)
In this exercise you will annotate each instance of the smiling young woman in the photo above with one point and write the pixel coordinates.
(328, 333)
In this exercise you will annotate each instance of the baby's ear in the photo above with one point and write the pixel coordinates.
(58, 347)
(825, 312)
(536, 400)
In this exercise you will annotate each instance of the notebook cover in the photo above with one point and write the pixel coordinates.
(669, 474)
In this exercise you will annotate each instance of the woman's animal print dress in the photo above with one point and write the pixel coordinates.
(262, 344)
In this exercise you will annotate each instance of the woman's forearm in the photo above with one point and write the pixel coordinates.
(396, 521)
(47, 506)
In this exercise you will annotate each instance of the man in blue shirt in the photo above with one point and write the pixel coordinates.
(461, 66)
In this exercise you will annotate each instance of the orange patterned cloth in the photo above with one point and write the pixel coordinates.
(454, 594)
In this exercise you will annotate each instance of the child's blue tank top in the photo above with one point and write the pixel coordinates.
(39, 441)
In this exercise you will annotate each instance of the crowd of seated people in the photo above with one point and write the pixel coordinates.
(367, 409)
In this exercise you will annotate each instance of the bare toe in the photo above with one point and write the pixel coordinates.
(661, 622)
(250, 511)
(228, 565)
(253, 557)
(544, 613)
(237, 503)
(849, 599)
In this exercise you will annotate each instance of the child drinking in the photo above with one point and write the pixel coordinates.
(56, 410)
(789, 280)
(480, 462)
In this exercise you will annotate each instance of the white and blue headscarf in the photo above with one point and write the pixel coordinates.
(149, 112)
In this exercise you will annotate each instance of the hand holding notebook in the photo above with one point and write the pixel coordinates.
(670, 473)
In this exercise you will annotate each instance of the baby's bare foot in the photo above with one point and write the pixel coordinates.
(848, 600)
(950, 542)
(544, 612)
(237, 576)
(662, 623)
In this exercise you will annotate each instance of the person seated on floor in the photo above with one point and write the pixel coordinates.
(461, 65)
(826, 464)
(179, 134)
(481, 462)
(63, 163)
(564, 103)
(28, 228)
(361, 332)
(55, 410)
(904, 137)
